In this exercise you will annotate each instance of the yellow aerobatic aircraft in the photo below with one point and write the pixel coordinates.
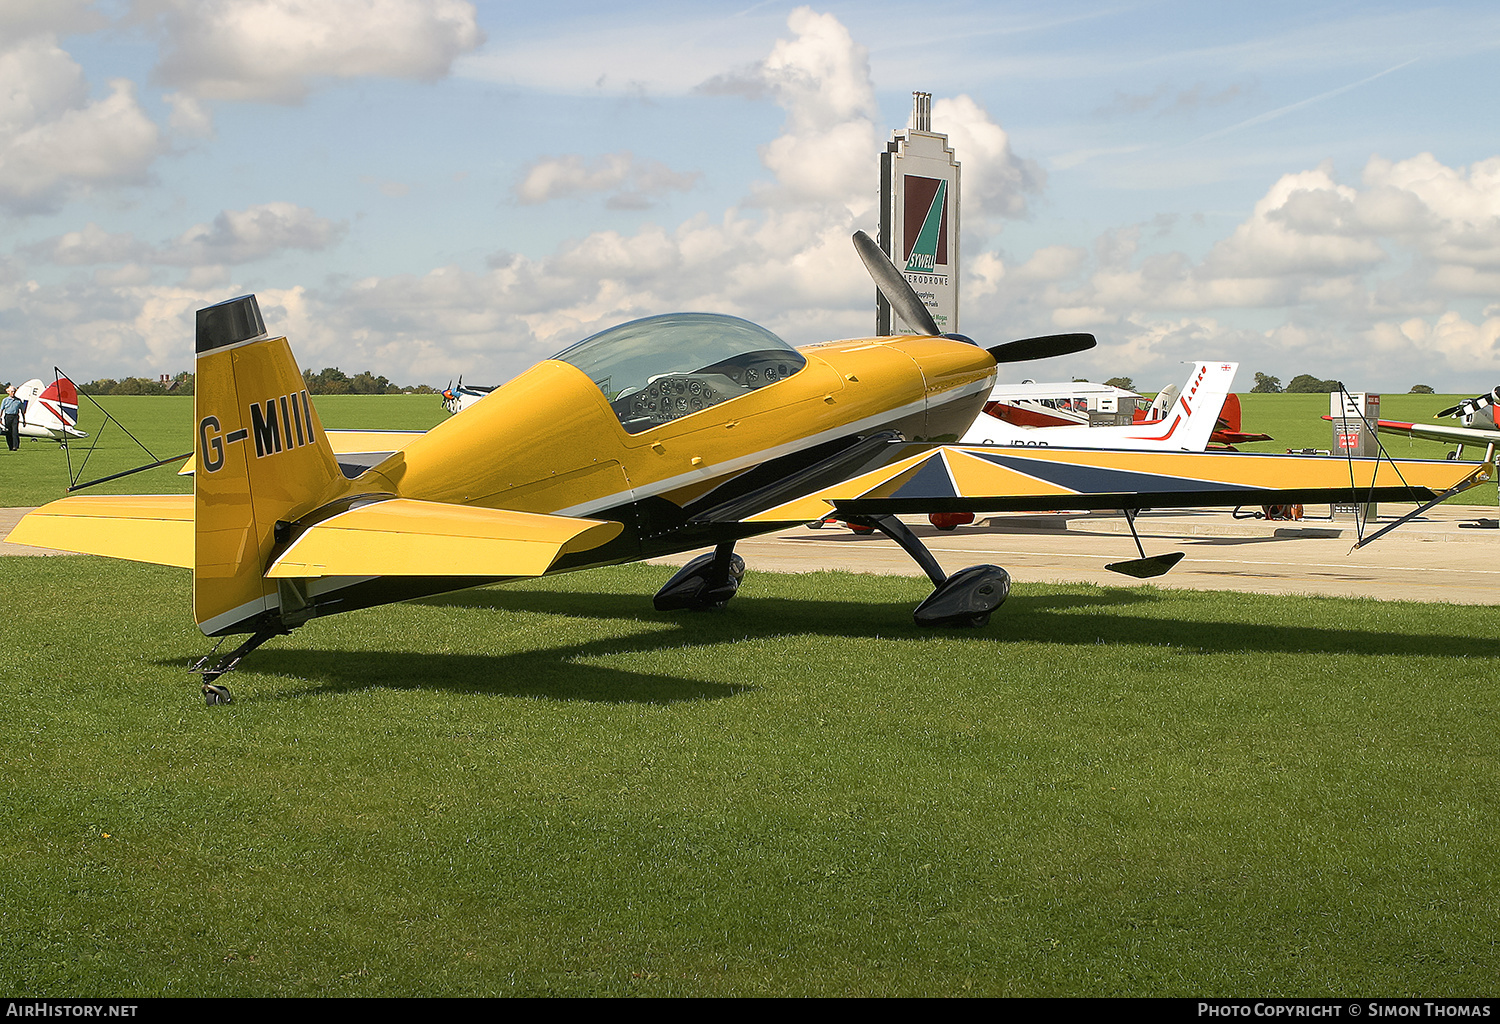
(662, 435)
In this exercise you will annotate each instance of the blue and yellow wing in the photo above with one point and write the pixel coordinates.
(991, 478)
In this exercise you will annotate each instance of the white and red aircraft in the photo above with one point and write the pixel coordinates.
(457, 399)
(1184, 419)
(1080, 403)
(1181, 419)
(51, 412)
(1477, 415)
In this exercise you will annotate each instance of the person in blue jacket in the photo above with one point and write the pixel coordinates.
(10, 411)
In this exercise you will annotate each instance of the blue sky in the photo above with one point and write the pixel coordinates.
(433, 187)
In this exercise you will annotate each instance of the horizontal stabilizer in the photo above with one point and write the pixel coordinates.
(976, 478)
(154, 528)
(406, 537)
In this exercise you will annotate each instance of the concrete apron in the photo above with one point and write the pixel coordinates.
(1446, 556)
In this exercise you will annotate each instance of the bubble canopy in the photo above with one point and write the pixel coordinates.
(662, 368)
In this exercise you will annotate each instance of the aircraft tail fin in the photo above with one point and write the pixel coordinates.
(28, 393)
(56, 407)
(61, 400)
(1199, 403)
(263, 461)
(1230, 417)
(1165, 399)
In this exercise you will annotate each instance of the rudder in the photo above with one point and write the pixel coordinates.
(262, 458)
(1201, 400)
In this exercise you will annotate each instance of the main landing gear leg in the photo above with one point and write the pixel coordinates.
(214, 693)
(705, 583)
(1143, 568)
(965, 599)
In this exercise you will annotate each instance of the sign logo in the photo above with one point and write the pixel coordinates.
(925, 224)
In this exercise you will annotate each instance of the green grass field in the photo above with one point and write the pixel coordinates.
(550, 789)
(39, 472)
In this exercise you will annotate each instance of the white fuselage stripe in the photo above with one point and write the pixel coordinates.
(756, 458)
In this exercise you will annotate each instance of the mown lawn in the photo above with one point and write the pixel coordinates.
(39, 472)
(550, 789)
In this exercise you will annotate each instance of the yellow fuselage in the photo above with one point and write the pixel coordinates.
(548, 441)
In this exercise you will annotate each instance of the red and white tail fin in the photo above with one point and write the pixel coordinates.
(57, 405)
(1187, 425)
(51, 410)
(1190, 422)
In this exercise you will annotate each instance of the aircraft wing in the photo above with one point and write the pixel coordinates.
(991, 478)
(1438, 432)
(406, 537)
(143, 528)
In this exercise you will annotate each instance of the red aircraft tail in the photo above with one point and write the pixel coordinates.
(61, 400)
(1229, 416)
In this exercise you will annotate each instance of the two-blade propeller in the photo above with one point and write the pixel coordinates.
(903, 299)
(1042, 348)
(1469, 406)
(908, 305)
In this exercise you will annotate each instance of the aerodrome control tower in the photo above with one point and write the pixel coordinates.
(919, 217)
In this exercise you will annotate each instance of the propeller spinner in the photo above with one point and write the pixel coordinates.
(908, 305)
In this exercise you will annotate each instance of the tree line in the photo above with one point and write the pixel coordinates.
(328, 381)
(1307, 384)
(332, 381)
(181, 384)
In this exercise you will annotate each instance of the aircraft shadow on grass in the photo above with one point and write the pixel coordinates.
(562, 673)
(559, 673)
(1039, 618)
(551, 673)
(776, 615)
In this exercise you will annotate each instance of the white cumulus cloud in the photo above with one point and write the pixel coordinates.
(781, 257)
(240, 236)
(632, 184)
(996, 183)
(1361, 276)
(234, 236)
(275, 49)
(22, 18)
(56, 140)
